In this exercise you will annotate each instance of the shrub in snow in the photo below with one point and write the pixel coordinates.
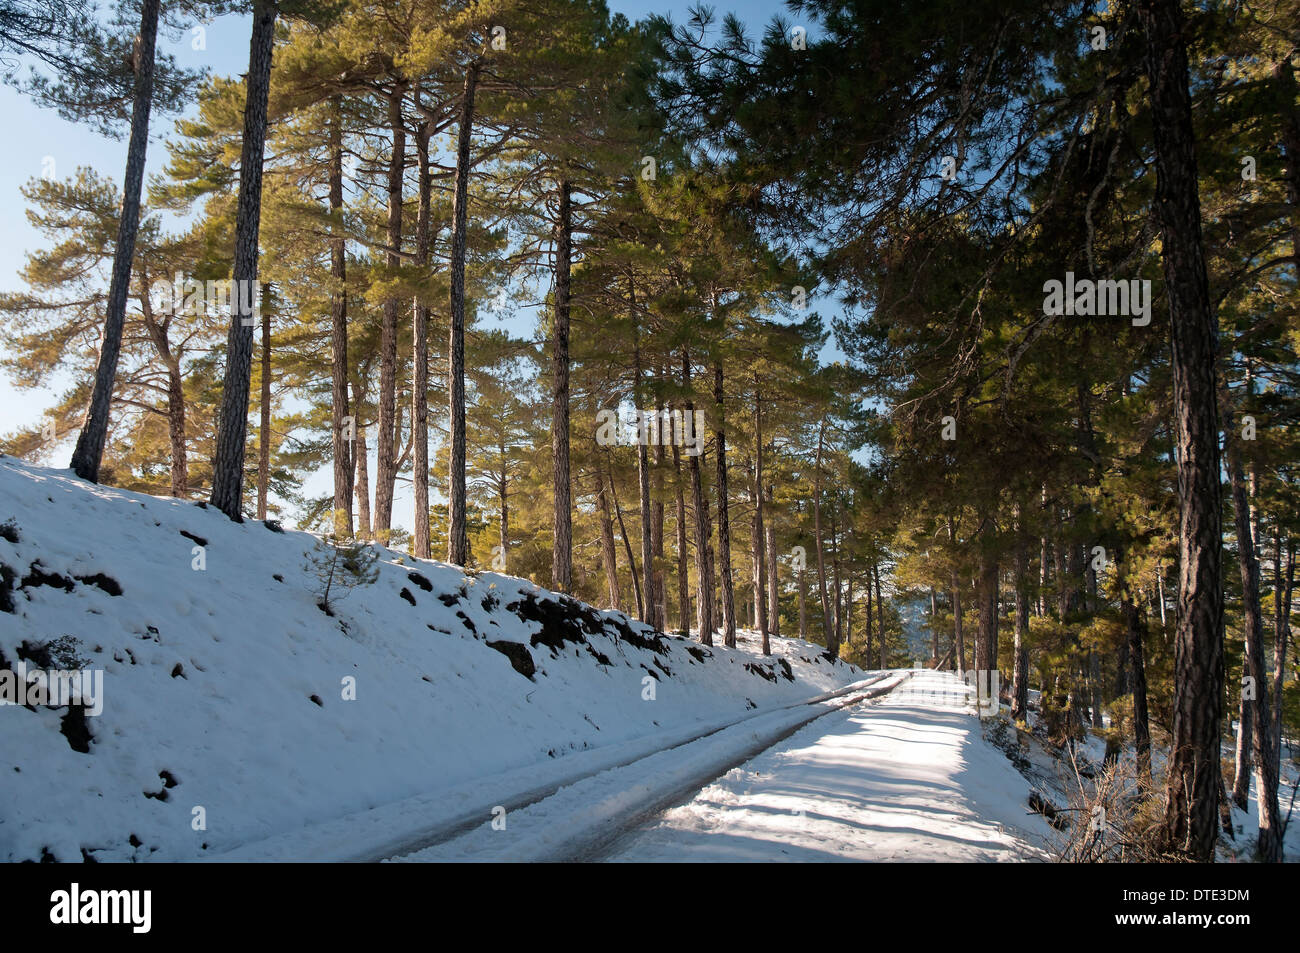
(341, 566)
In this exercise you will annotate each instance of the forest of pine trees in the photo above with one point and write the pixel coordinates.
(727, 326)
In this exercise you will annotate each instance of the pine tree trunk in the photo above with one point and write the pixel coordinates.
(607, 551)
(958, 636)
(562, 546)
(724, 517)
(760, 562)
(660, 599)
(848, 610)
(343, 463)
(232, 432)
(420, 545)
(180, 473)
(1284, 79)
(361, 458)
(987, 638)
(387, 435)
(180, 476)
(1256, 721)
(264, 427)
(702, 530)
(503, 503)
(934, 626)
(683, 571)
(706, 602)
(1282, 586)
(828, 629)
(1137, 661)
(1193, 773)
(89, 450)
(871, 632)
(1044, 555)
(880, 615)
(803, 604)
(457, 526)
(1020, 672)
(647, 431)
(627, 548)
(773, 589)
(1241, 749)
(837, 604)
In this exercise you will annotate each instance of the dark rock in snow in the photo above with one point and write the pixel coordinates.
(521, 660)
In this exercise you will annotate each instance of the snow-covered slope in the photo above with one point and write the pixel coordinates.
(226, 689)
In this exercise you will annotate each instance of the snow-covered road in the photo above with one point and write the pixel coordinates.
(902, 776)
(908, 778)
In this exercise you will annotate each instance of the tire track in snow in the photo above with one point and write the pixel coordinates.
(581, 820)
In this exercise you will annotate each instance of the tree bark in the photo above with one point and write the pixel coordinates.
(647, 430)
(773, 590)
(420, 359)
(457, 528)
(1256, 721)
(837, 604)
(361, 459)
(848, 609)
(1137, 661)
(760, 561)
(958, 636)
(986, 645)
(232, 432)
(724, 517)
(660, 599)
(702, 530)
(832, 645)
(158, 330)
(607, 551)
(503, 502)
(89, 451)
(562, 544)
(387, 435)
(180, 473)
(627, 547)
(871, 632)
(343, 463)
(1193, 783)
(1282, 586)
(264, 427)
(1020, 672)
(880, 615)
(934, 626)
(683, 571)
(803, 604)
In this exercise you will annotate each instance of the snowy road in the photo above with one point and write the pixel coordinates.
(906, 779)
(904, 775)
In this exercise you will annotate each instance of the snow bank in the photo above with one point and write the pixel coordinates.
(235, 710)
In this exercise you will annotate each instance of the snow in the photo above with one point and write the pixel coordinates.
(578, 821)
(904, 775)
(209, 676)
(909, 778)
